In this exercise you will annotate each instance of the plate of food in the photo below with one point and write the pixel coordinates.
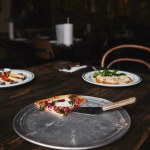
(51, 123)
(14, 77)
(112, 78)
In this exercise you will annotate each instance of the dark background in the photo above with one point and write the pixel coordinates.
(101, 24)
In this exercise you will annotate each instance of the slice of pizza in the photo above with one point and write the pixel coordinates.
(60, 105)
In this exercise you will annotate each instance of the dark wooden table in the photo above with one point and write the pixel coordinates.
(50, 82)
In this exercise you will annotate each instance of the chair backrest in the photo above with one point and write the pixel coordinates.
(43, 49)
(124, 47)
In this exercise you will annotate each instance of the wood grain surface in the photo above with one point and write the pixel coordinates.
(50, 82)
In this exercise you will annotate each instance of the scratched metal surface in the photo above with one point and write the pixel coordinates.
(74, 131)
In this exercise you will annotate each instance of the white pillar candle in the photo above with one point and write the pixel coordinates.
(11, 30)
(68, 34)
(64, 34)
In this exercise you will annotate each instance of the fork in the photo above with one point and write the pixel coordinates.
(94, 68)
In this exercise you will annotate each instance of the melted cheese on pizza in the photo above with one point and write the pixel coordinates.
(62, 103)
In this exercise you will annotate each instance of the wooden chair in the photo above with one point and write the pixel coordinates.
(43, 49)
(105, 64)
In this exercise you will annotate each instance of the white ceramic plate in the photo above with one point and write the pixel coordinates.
(74, 131)
(88, 77)
(29, 76)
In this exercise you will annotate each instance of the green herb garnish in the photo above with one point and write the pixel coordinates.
(71, 102)
(95, 74)
(42, 107)
(106, 72)
(55, 101)
(61, 111)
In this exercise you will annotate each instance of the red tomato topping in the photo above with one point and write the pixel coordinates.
(61, 100)
(78, 100)
(75, 105)
(5, 78)
(66, 109)
(55, 109)
(40, 102)
(52, 104)
(46, 104)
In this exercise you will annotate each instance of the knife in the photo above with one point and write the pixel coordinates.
(97, 110)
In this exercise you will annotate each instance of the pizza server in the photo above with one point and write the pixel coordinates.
(110, 106)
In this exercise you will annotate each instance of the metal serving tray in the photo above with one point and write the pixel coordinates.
(73, 131)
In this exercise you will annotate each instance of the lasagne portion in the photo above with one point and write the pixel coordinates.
(111, 77)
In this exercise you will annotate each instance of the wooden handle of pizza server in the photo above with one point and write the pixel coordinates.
(119, 104)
